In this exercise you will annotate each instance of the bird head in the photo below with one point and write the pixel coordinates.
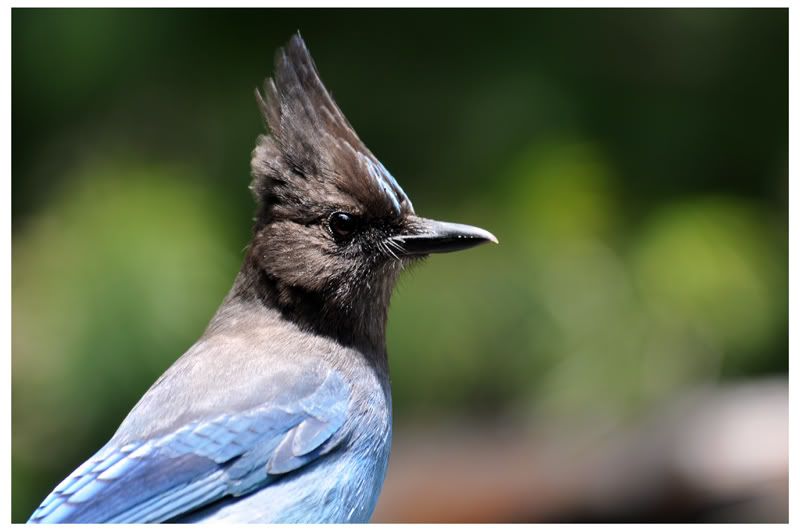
(333, 228)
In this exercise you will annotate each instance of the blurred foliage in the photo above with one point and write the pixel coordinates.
(633, 164)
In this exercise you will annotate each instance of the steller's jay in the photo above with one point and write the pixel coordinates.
(281, 411)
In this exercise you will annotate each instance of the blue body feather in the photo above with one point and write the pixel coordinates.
(292, 458)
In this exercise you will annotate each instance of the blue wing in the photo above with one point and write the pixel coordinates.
(229, 455)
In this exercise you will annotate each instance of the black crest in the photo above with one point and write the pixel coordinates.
(312, 156)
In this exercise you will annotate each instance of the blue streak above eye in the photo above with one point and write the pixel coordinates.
(389, 185)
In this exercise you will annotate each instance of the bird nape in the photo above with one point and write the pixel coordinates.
(281, 411)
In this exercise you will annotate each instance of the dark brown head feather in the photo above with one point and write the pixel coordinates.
(309, 167)
(313, 157)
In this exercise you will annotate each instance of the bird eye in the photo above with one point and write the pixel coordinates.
(342, 224)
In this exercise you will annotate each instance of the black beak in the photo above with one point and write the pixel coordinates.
(425, 236)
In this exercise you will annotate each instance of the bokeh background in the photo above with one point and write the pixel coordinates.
(621, 356)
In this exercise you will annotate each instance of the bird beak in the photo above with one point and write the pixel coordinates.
(424, 236)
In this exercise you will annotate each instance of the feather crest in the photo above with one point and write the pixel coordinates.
(312, 155)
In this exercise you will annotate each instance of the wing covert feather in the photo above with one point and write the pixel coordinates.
(231, 454)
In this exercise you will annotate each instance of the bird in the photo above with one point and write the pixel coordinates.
(282, 410)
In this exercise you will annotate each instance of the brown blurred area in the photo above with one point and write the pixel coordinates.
(717, 454)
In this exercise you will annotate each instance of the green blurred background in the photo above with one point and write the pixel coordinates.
(633, 163)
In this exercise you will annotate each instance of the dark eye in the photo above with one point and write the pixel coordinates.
(342, 224)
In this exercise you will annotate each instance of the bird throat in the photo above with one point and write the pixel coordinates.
(355, 317)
